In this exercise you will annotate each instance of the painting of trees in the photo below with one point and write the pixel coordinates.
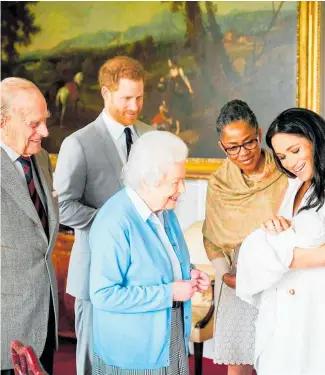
(17, 28)
(203, 38)
(198, 55)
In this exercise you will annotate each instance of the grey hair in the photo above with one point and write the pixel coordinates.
(233, 111)
(150, 158)
(9, 88)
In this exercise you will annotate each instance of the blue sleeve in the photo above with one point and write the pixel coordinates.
(110, 260)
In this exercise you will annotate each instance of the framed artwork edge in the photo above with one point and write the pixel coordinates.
(308, 79)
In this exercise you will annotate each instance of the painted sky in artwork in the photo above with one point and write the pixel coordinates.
(68, 19)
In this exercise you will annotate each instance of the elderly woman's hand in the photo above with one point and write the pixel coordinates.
(276, 224)
(183, 290)
(202, 278)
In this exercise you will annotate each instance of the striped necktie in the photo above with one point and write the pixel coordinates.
(27, 167)
(129, 142)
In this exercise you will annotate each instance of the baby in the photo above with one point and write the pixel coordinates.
(307, 230)
(273, 253)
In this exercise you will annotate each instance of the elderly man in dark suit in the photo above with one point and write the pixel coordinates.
(29, 225)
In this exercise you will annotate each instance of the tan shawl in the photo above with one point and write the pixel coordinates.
(236, 206)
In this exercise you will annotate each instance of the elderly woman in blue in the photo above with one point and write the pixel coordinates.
(141, 280)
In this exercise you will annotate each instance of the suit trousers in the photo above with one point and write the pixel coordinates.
(84, 332)
(47, 357)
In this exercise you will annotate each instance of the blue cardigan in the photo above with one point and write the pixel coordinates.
(130, 286)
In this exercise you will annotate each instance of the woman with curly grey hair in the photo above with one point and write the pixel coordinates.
(141, 279)
(242, 193)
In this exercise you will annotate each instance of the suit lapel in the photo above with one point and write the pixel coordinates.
(47, 189)
(13, 185)
(108, 145)
(141, 128)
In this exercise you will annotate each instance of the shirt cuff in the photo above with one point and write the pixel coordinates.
(221, 266)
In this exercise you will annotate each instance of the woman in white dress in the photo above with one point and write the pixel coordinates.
(280, 267)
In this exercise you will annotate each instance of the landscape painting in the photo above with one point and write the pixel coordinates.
(198, 55)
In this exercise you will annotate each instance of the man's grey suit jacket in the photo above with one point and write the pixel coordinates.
(27, 273)
(87, 174)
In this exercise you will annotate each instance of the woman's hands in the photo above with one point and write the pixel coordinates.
(202, 278)
(276, 224)
(183, 290)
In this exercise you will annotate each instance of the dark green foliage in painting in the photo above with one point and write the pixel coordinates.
(17, 27)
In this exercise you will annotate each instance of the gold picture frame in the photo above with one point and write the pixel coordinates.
(308, 78)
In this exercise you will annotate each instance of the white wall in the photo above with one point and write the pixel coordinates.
(191, 205)
(190, 209)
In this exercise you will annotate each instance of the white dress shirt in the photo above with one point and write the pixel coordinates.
(158, 220)
(116, 130)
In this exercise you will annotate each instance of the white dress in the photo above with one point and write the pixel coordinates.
(290, 327)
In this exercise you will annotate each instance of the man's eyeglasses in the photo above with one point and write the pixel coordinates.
(249, 145)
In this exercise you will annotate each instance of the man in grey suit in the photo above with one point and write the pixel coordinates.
(29, 225)
(88, 174)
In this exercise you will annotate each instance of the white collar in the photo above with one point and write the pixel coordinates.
(143, 210)
(115, 128)
(13, 155)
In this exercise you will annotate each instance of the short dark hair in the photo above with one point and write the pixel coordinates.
(307, 124)
(235, 110)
